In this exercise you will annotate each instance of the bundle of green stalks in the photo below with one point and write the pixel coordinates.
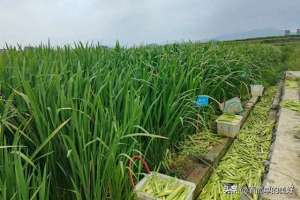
(243, 164)
(199, 144)
(291, 105)
(227, 117)
(72, 117)
(292, 83)
(193, 147)
(165, 189)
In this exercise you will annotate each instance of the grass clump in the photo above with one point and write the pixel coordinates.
(293, 58)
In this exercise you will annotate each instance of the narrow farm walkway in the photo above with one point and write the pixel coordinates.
(244, 164)
(284, 171)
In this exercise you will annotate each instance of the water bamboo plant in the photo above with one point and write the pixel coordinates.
(71, 117)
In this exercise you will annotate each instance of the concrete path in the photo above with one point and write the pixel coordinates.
(284, 171)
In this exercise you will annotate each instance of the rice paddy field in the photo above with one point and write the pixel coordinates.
(72, 117)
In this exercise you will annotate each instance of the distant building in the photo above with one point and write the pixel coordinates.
(287, 32)
(298, 31)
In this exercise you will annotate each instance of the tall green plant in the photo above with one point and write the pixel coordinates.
(82, 112)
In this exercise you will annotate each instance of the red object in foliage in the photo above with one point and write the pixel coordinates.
(130, 163)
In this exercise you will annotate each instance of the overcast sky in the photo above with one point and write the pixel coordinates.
(138, 21)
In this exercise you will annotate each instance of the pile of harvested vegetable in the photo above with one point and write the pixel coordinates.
(231, 118)
(195, 146)
(291, 105)
(199, 144)
(292, 83)
(243, 165)
(165, 189)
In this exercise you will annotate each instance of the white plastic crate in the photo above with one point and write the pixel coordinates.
(145, 196)
(229, 129)
(257, 90)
